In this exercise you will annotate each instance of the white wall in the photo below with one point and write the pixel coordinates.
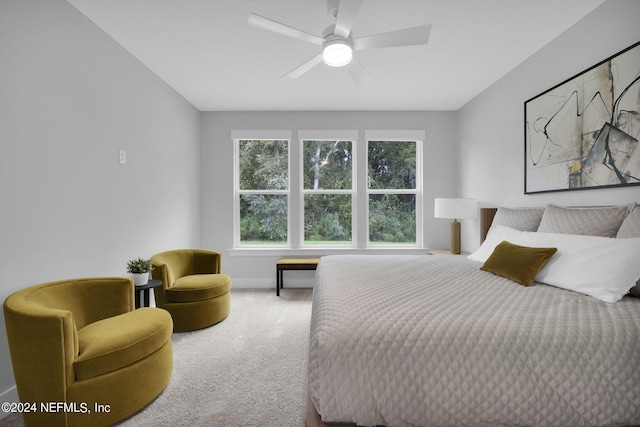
(70, 97)
(491, 127)
(440, 175)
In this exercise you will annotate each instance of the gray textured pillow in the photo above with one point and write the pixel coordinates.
(631, 225)
(603, 222)
(523, 219)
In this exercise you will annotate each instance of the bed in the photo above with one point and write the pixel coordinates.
(437, 341)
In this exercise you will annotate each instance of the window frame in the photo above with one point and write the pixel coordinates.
(359, 192)
(238, 136)
(352, 192)
(417, 192)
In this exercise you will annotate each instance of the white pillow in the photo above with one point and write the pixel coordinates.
(602, 267)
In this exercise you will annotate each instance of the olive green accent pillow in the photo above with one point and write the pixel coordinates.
(518, 263)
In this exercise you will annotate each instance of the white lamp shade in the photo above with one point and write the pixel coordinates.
(456, 208)
(337, 53)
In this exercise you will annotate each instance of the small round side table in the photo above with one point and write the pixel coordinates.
(142, 292)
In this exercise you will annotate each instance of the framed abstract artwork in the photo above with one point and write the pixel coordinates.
(584, 132)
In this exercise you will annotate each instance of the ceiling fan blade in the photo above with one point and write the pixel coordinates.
(407, 37)
(277, 27)
(347, 12)
(303, 68)
(358, 73)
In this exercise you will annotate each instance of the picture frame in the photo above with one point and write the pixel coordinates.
(584, 133)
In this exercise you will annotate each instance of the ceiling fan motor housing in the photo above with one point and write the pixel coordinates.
(337, 51)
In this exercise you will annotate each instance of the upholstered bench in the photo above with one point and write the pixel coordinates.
(293, 264)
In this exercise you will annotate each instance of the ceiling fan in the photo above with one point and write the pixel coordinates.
(336, 41)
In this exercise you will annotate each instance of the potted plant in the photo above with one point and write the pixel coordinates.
(140, 269)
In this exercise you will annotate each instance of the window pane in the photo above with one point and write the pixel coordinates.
(263, 219)
(392, 164)
(264, 164)
(392, 218)
(327, 165)
(327, 219)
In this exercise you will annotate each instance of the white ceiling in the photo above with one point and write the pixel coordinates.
(207, 52)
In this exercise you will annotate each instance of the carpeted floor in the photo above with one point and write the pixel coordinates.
(249, 370)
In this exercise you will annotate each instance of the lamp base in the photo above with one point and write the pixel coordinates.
(455, 237)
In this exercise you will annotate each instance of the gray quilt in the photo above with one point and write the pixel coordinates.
(434, 341)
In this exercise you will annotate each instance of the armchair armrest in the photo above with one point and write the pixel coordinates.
(43, 346)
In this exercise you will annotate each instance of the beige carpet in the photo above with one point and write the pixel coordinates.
(249, 370)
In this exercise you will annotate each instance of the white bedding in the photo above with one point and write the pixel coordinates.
(434, 341)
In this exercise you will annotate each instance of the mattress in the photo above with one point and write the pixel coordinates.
(434, 341)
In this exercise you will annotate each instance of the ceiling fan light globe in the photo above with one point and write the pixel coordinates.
(337, 54)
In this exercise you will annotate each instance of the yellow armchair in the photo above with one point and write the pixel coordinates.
(193, 290)
(80, 346)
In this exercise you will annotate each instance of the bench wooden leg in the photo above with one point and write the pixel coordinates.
(278, 281)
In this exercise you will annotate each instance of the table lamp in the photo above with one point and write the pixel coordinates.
(455, 209)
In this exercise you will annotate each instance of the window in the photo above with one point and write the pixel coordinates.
(262, 190)
(330, 189)
(393, 189)
(327, 171)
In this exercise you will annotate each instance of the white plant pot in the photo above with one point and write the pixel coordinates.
(140, 279)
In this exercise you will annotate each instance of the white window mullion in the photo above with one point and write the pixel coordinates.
(295, 197)
(419, 188)
(236, 193)
(393, 191)
(361, 216)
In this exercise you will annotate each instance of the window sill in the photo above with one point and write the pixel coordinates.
(307, 252)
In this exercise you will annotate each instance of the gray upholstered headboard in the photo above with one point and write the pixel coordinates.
(486, 218)
(487, 215)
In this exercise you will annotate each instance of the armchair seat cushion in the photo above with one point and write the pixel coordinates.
(113, 343)
(198, 287)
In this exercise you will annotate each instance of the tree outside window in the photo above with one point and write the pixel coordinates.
(263, 189)
(392, 189)
(327, 170)
(328, 208)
